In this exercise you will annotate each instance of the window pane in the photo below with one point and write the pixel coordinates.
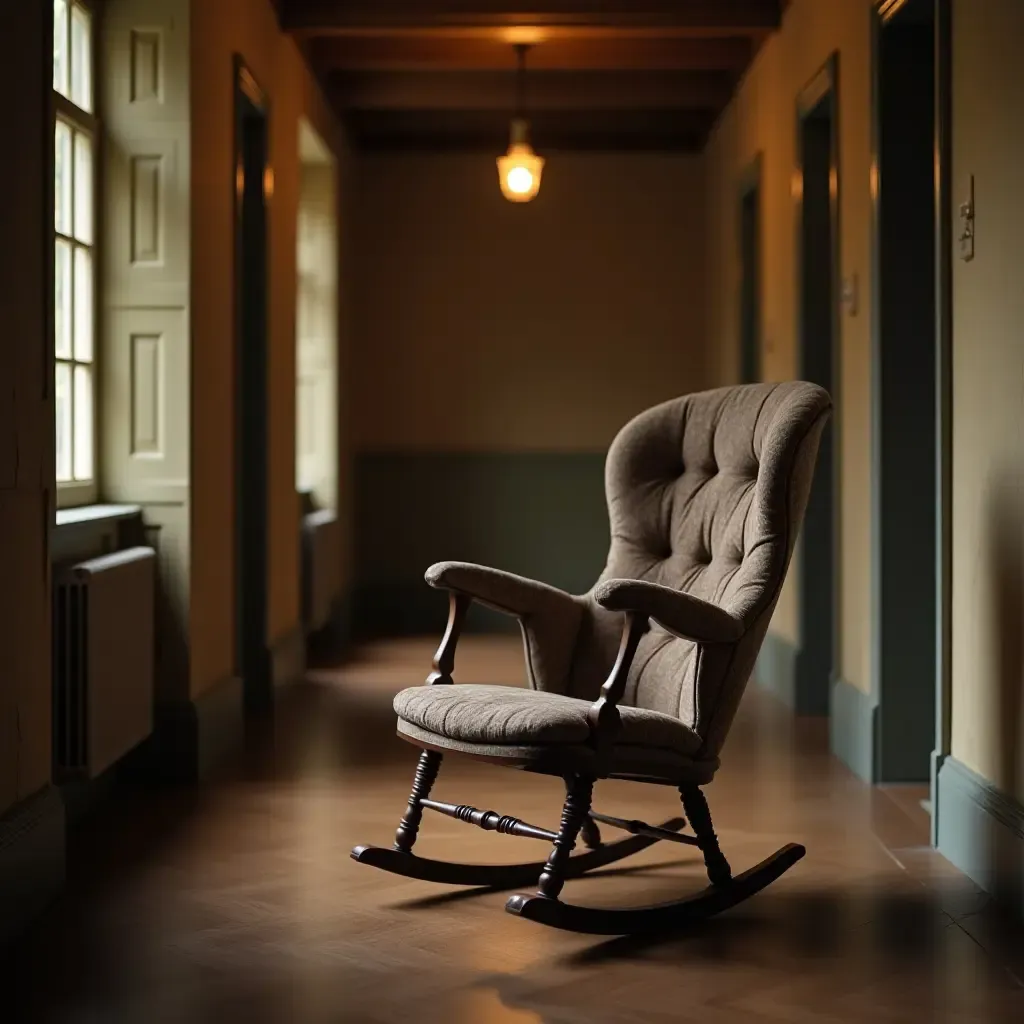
(83, 188)
(83, 300)
(62, 299)
(62, 177)
(60, 46)
(81, 58)
(62, 402)
(83, 423)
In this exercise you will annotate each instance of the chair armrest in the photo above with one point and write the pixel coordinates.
(549, 617)
(503, 591)
(603, 715)
(681, 614)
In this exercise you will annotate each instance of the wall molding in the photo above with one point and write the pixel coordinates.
(288, 657)
(32, 860)
(193, 738)
(776, 668)
(852, 729)
(980, 830)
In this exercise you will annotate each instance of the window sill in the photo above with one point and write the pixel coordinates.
(82, 514)
(87, 531)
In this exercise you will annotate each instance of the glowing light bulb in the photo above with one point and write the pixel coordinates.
(519, 170)
(520, 180)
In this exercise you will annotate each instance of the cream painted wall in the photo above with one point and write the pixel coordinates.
(219, 30)
(26, 410)
(988, 395)
(762, 118)
(489, 326)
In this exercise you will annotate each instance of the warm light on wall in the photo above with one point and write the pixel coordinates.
(520, 169)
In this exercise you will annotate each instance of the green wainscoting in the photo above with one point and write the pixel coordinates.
(541, 515)
(853, 730)
(981, 831)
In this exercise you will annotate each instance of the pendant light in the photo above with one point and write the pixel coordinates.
(520, 169)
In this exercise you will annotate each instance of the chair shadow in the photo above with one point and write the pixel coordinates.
(894, 926)
(814, 935)
(441, 899)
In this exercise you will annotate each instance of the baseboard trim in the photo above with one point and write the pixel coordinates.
(852, 729)
(288, 658)
(82, 796)
(32, 860)
(776, 668)
(193, 738)
(981, 831)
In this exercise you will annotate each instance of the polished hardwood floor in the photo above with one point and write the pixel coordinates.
(239, 902)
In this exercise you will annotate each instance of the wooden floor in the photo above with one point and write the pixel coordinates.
(240, 903)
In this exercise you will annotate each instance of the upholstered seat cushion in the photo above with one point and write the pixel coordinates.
(513, 716)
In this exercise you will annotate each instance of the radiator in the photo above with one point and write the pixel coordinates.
(103, 654)
(321, 567)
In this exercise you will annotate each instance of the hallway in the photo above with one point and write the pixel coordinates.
(238, 902)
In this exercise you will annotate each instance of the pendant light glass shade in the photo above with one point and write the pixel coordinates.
(520, 169)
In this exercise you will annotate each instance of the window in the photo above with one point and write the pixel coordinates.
(316, 325)
(74, 252)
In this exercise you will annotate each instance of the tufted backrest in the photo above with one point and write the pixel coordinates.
(706, 494)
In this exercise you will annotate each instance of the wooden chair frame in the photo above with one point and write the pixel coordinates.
(579, 821)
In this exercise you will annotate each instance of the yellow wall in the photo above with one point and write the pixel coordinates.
(26, 412)
(988, 395)
(489, 326)
(219, 30)
(762, 118)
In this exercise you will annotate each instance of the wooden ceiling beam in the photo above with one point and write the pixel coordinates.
(487, 132)
(603, 53)
(546, 90)
(701, 17)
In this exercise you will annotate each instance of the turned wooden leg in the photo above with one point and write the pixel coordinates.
(574, 814)
(590, 833)
(426, 775)
(695, 806)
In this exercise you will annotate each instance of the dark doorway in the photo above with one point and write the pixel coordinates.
(750, 275)
(905, 402)
(251, 278)
(818, 266)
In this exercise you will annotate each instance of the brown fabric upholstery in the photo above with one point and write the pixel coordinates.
(508, 714)
(706, 496)
(568, 758)
(688, 617)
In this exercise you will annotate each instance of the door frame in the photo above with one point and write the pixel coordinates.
(824, 85)
(943, 397)
(750, 180)
(882, 11)
(250, 99)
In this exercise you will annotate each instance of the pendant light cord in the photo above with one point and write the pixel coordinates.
(521, 49)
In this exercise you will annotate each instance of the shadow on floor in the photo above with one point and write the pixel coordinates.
(238, 902)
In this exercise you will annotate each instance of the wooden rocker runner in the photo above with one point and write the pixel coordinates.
(706, 495)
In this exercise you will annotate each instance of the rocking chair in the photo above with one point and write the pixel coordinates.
(706, 495)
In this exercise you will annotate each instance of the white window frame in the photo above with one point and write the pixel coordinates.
(81, 488)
